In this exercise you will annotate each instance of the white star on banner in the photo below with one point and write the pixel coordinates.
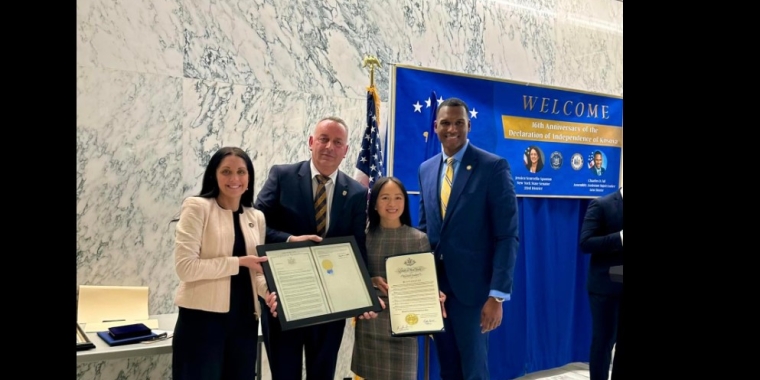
(417, 107)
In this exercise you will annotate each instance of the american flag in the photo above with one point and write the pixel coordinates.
(591, 158)
(370, 160)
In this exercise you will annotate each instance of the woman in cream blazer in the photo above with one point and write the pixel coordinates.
(220, 274)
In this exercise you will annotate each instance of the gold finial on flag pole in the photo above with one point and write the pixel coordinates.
(372, 62)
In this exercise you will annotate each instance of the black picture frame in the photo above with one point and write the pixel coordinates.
(285, 324)
(83, 342)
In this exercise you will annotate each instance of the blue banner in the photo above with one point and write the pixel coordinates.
(559, 143)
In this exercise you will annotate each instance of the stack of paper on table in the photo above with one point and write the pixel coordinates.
(102, 307)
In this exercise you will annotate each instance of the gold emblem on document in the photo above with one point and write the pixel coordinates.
(328, 266)
(412, 319)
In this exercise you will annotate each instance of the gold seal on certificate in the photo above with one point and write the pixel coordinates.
(413, 297)
(318, 282)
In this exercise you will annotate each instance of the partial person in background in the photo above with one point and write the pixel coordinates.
(215, 258)
(602, 237)
(468, 208)
(378, 355)
(533, 161)
(618, 371)
(311, 200)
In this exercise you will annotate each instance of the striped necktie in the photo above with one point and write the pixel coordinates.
(446, 185)
(320, 204)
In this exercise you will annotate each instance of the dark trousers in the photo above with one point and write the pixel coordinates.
(604, 320)
(462, 348)
(617, 363)
(214, 346)
(285, 349)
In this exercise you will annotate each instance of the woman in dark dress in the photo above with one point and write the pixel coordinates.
(377, 355)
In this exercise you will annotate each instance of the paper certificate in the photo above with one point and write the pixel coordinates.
(318, 282)
(296, 275)
(413, 294)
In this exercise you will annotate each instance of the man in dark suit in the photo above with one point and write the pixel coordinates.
(618, 371)
(470, 217)
(602, 237)
(288, 203)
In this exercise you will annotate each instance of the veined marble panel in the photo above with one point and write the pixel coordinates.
(317, 47)
(136, 35)
(157, 367)
(300, 45)
(273, 126)
(517, 42)
(590, 51)
(129, 128)
(580, 49)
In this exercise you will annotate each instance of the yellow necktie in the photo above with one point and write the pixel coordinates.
(448, 179)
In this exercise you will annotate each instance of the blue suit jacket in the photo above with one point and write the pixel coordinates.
(287, 202)
(601, 170)
(600, 236)
(479, 237)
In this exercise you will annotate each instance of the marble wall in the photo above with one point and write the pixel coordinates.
(162, 84)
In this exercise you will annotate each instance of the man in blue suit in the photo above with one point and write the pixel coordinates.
(288, 203)
(470, 217)
(597, 167)
(602, 237)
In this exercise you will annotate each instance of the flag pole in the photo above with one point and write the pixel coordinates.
(372, 62)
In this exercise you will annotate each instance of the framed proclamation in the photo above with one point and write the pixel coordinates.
(318, 282)
(413, 297)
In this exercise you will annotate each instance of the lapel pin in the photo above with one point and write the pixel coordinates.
(250, 225)
(469, 167)
(345, 192)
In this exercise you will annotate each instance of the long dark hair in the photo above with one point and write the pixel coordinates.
(210, 186)
(539, 162)
(374, 216)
